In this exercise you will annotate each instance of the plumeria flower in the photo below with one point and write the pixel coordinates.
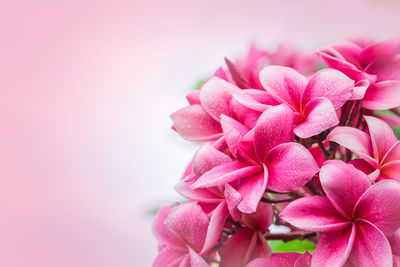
(288, 259)
(314, 102)
(394, 241)
(248, 242)
(380, 149)
(379, 63)
(354, 216)
(264, 157)
(201, 120)
(181, 232)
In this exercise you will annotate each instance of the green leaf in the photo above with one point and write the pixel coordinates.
(198, 84)
(299, 246)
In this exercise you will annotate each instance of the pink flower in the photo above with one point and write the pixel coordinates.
(380, 149)
(248, 242)
(181, 232)
(264, 157)
(289, 259)
(285, 55)
(354, 217)
(315, 101)
(379, 63)
(201, 120)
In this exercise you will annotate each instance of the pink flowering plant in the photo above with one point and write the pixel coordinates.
(298, 164)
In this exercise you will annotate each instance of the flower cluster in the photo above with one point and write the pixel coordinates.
(292, 142)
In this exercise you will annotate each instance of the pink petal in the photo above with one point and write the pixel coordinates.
(251, 189)
(319, 115)
(304, 260)
(233, 252)
(360, 89)
(314, 213)
(261, 249)
(233, 198)
(215, 96)
(168, 257)
(284, 84)
(196, 260)
(254, 99)
(233, 133)
(379, 49)
(356, 140)
(343, 185)
(390, 119)
(163, 234)
(189, 222)
(331, 84)
(206, 158)
(386, 67)
(334, 247)
(274, 127)
(290, 166)
(394, 241)
(362, 165)
(193, 97)
(371, 248)
(261, 219)
(382, 136)
(380, 206)
(277, 259)
(202, 194)
(225, 173)
(391, 170)
(194, 124)
(382, 95)
(217, 222)
(392, 154)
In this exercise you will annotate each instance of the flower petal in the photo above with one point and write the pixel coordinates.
(314, 213)
(274, 127)
(225, 173)
(382, 136)
(233, 252)
(261, 219)
(284, 84)
(206, 158)
(217, 222)
(334, 247)
(392, 154)
(394, 241)
(356, 140)
(251, 189)
(163, 234)
(331, 84)
(371, 247)
(386, 67)
(380, 206)
(215, 96)
(189, 222)
(379, 49)
(233, 133)
(202, 195)
(290, 166)
(343, 185)
(194, 124)
(277, 259)
(319, 115)
(196, 260)
(169, 257)
(391, 170)
(382, 95)
(233, 198)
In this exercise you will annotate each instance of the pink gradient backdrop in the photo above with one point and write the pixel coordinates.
(86, 88)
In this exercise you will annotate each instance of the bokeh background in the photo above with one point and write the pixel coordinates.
(86, 89)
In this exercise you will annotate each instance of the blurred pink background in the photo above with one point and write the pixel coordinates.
(86, 89)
